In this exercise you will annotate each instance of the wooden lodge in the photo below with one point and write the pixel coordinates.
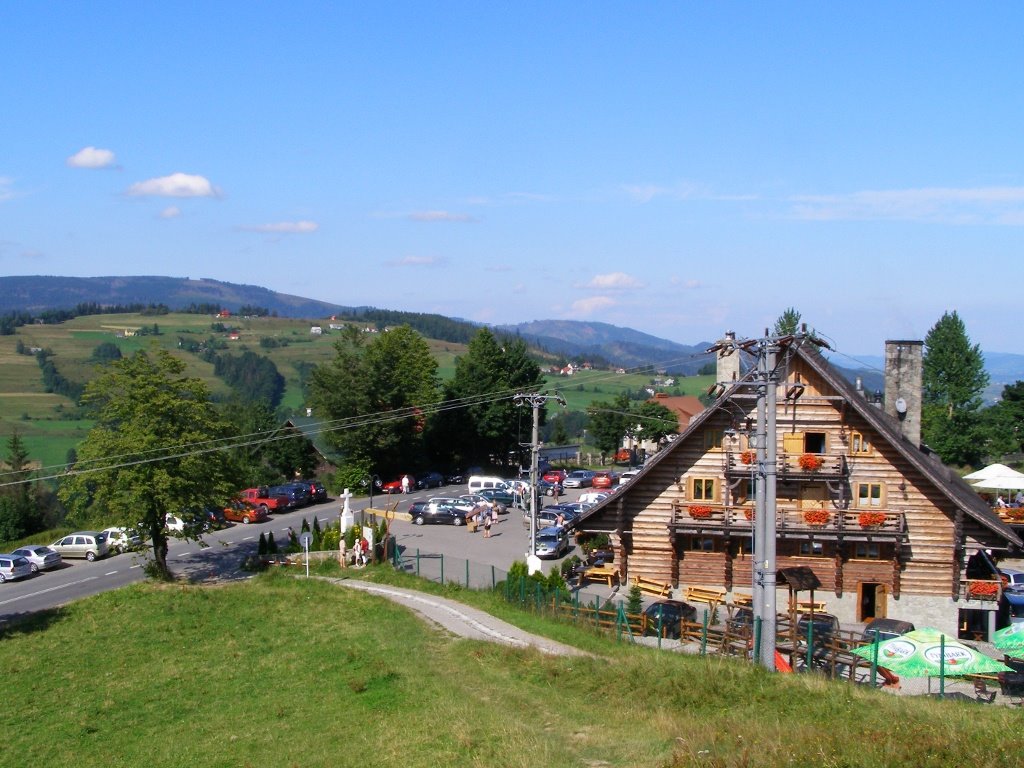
(884, 525)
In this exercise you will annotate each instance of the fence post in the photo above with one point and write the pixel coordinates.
(467, 573)
(757, 637)
(494, 581)
(417, 562)
(704, 635)
(442, 569)
(874, 661)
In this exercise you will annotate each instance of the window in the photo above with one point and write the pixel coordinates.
(814, 442)
(712, 439)
(866, 550)
(812, 549)
(745, 492)
(702, 489)
(702, 544)
(869, 495)
(859, 444)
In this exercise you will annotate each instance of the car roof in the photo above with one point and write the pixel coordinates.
(898, 625)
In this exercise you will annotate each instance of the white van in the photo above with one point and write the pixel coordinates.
(478, 482)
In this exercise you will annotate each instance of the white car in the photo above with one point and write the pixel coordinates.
(593, 497)
(39, 556)
(14, 567)
(121, 539)
(175, 523)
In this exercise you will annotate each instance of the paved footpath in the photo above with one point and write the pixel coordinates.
(462, 620)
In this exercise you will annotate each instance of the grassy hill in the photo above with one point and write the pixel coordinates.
(48, 422)
(281, 671)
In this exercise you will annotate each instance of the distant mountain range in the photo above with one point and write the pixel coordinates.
(617, 346)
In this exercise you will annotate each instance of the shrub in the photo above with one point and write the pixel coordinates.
(271, 544)
(261, 547)
(635, 601)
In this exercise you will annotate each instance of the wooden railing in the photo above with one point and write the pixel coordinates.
(791, 465)
(711, 516)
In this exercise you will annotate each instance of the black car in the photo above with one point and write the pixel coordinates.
(297, 493)
(669, 613)
(213, 518)
(505, 499)
(886, 629)
(425, 480)
(317, 492)
(423, 512)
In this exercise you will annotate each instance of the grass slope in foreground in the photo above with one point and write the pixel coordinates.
(280, 671)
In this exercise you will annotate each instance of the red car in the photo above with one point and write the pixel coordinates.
(395, 486)
(554, 476)
(605, 479)
(242, 512)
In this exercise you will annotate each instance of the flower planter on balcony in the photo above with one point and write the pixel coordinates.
(748, 457)
(816, 517)
(748, 513)
(699, 511)
(871, 519)
(810, 462)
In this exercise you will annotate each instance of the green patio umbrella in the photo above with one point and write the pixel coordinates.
(1010, 639)
(919, 654)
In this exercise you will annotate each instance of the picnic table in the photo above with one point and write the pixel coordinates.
(606, 573)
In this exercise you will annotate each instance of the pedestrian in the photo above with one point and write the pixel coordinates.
(494, 512)
(556, 491)
(405, 483)
(487, 526)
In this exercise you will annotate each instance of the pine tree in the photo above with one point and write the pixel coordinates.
(953, 378)
(271, 544)
(261, 547)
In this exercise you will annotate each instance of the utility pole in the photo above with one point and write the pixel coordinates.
(535, 400)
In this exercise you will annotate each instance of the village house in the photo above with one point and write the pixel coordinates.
(887, 528)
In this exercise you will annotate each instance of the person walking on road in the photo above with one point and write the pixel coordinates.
(487, 524)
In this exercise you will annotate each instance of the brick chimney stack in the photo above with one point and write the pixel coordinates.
(903, 362)
(727, 361)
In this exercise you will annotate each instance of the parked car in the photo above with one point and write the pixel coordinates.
(553, 476)
(463, 505)
(39, 556)
(824, 626)
(552, 542)
(215, 519)
(298, 493)
(240, 512)
(14, 567)
(88, 544)
(122, 539)
(579, 478)
(423, 512)
(628, 475)
(886, 629)
(605, 478)
(593, 497)
(271, 502)
(175, 524)
(427, 480)
(317, 492)
(667, 614)
(505, 499)
(455, 477)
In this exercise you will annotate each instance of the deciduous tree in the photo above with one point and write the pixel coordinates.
(155, 449)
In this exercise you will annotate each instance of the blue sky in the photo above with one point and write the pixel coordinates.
(678, 168)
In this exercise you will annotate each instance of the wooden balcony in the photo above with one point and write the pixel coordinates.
(790, 522)
(790, 466)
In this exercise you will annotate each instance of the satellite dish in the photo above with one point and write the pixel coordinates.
(901, 406)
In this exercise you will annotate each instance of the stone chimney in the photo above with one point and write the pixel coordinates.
(727, 363)
(903, 361)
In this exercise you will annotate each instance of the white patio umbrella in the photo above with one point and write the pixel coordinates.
(1001, 483)
(992, 470)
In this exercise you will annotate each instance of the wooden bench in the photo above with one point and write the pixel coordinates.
(806, 606)
(607, 573)
(652, 587)
(742, 600)
(710, 595)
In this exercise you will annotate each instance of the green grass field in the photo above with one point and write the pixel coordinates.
(283, 671)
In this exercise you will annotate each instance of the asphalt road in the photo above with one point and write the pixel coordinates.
(221, 552)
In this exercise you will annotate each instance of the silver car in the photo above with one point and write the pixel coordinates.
(39, 556)
(14, 567)
(88, 544)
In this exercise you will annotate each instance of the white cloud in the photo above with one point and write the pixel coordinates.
(592, 305)
(430, 216)
(170, 212)
(979, 205)
(416, 261)
(689, 285)
(285, 227)
(614, 281)
(91, 157)
(6, 191)
(175, 185)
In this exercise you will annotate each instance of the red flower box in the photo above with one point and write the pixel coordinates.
(809, 462)
(983, 590)
(748, 513)
(816, 516)
(871, 519)
(700, 511)
(748, 457)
